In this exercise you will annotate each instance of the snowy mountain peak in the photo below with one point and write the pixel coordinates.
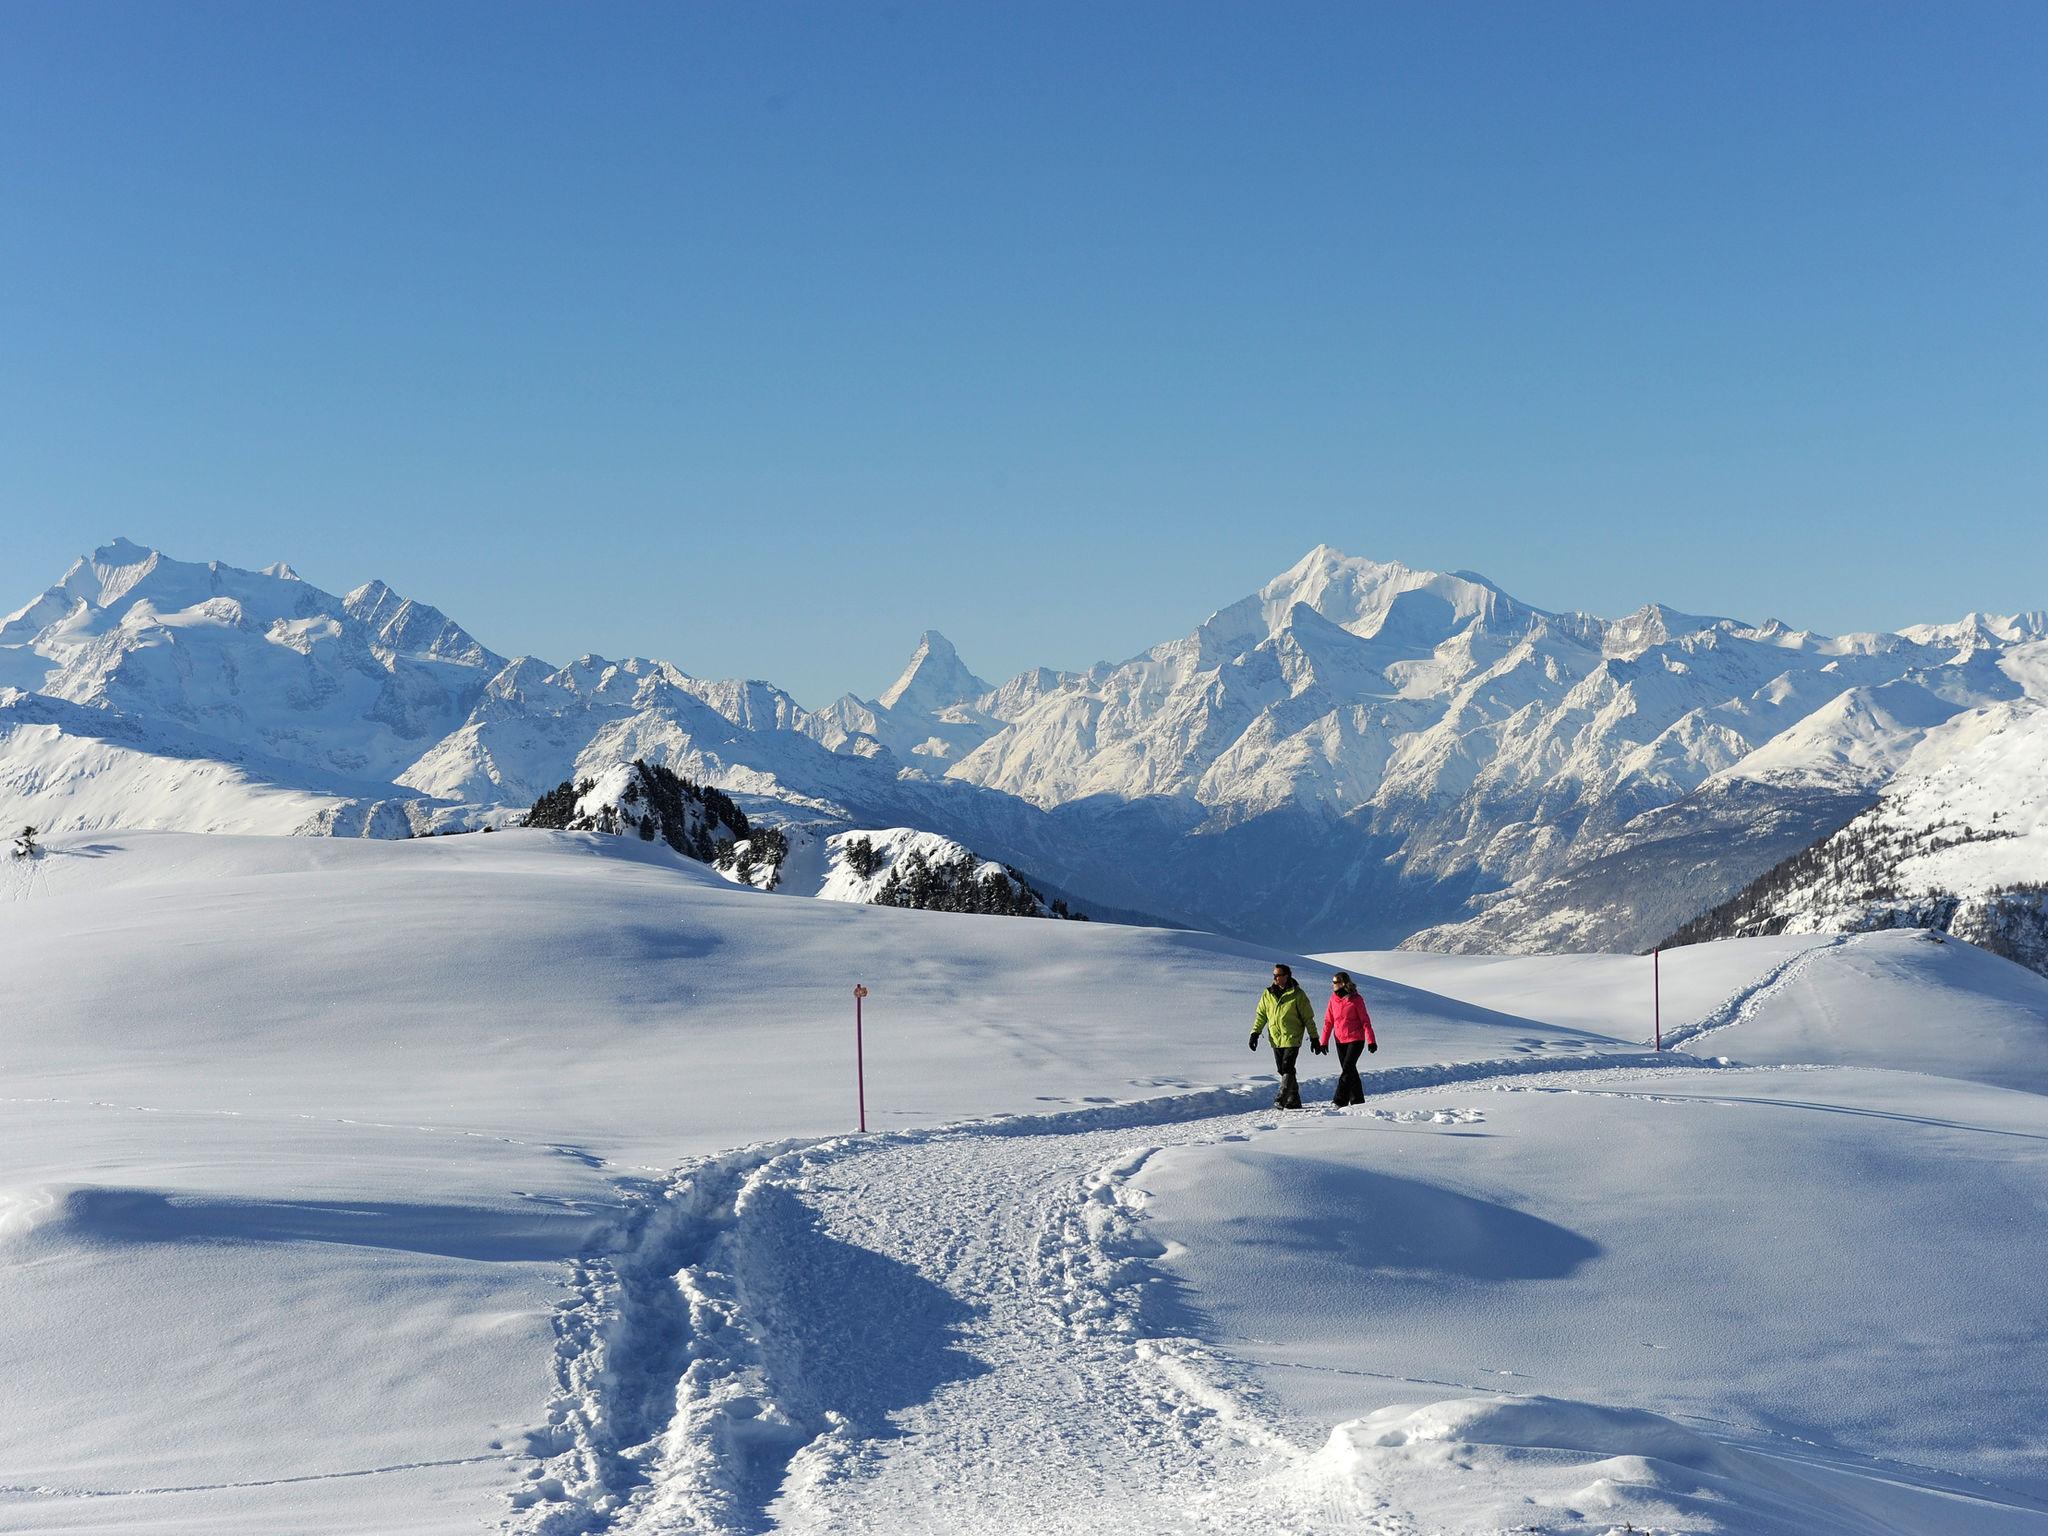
(1655, 624)
(1982, 631)
(410, 628)
(120, 554)
(122, 575)
(935, 678)
(120, 567)
(1371, 598)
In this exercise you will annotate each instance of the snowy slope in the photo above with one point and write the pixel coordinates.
(858, 865)
(1957, 841)
(1522, 1306)
(427, 1185)
(62, 769)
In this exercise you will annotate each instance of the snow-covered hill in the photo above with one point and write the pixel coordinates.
(465, 1182)
(893, 867)
(1957, 841)
(1356, 752)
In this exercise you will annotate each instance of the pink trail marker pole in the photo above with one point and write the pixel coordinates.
(860, 1075)
(1657, 993)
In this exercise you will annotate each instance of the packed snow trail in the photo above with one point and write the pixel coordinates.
(1748, 1002)
(937, 1329)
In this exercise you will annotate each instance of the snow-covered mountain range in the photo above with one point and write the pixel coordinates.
(1357, 753)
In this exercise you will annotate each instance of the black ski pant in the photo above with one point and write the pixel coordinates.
(1350, 1090)
(1290, 1091)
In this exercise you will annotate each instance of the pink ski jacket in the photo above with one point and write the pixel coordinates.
(1347, 1019)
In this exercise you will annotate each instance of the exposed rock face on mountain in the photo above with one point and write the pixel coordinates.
(1357, 753)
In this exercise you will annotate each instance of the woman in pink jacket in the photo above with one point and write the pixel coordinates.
(1347, 1020)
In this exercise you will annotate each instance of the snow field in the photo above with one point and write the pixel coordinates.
(1609, 995)
(503, 1179)
(1015, 1245)
(274, 1113)
(223, 1322)
(1827, 1265)
(946, 1329)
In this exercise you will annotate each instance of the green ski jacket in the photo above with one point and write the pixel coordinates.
(1285, 1019)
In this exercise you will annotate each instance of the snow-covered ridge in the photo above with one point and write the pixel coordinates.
(1354, 752)
(1957, 841)
(892, 867)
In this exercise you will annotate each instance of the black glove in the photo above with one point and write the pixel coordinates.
(1253, 1043)
(1372, 1046)
(1319, 1048)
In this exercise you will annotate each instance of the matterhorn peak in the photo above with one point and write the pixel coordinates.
(935, 678)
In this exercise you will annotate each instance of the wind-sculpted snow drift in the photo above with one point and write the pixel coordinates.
(1354, 753)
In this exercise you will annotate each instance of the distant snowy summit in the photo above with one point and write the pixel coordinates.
(1358, 753)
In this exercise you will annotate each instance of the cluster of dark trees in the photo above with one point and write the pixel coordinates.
(657, 804)
(957, 885)
(1857, 864)
(765, 848)
(700, 822)
(2013, 922)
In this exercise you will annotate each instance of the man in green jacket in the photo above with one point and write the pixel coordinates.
(1286, 1017)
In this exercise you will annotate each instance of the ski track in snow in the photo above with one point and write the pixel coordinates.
(933, 1329)
(54, 1491)
(1747, 1002)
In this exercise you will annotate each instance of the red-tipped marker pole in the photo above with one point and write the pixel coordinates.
(860, 1075)
(1657, 993)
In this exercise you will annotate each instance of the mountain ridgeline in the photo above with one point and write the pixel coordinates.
(1357, 754)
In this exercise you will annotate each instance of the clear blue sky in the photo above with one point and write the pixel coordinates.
(760, 337)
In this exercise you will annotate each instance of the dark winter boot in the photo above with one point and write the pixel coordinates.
(1289, 1096)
